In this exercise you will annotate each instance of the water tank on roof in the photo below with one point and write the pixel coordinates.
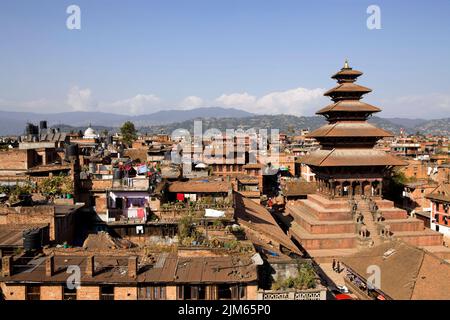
(72, 150)
(32, 239)
(43, 125)
(31, 129)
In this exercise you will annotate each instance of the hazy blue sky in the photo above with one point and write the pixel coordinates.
(258, 55)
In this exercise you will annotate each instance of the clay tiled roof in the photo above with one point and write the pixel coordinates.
(351, 157)
(408, 273)
(349, 129)
(49, 167)
(109, 269)
(12, 235)
(165, 268)
(256, 217)
(251, 194)
(246, 179)
(350, 106)
(253, 166)
(442, 193)
(347, 72)
(299, 188)
(199, 186)
(421, 183)
(433, 280)
(215, 269)
(348, 87)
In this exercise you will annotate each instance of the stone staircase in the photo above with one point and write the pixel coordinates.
(410, 230)
(369, 222)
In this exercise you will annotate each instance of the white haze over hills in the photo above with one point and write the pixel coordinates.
(13, 123)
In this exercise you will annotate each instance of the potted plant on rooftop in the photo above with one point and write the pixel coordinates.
(67, 188)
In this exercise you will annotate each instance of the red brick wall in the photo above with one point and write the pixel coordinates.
(15, 159)
(13, 292)
(328, 243)
(406, 225)
(252, 292)
(51, 293)
(171, 293)
(100, 203)
(125, 293)
(100, 185)
(88, 293)
(30, 215)
(415, 169)
(423, 240)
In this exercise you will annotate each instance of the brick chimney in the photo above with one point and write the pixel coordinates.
(50, 266)
(132, 267)
(7, 266)
(90, 266)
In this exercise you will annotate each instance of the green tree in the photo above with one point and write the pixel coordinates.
(60, 184)
(129, 132)
(306, 279)
(395, 184)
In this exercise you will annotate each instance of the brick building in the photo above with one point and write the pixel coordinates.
(440, 209)
(154, 277)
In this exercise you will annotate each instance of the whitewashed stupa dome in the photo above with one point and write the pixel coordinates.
(90, 134)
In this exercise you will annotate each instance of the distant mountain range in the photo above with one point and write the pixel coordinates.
(13, 123)
(284, 123)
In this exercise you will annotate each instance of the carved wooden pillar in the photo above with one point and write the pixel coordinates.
(333, 190)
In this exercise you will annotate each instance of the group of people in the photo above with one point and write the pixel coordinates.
(336, 266)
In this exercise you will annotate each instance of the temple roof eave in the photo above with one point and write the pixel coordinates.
(350, 129)
(349, 106)
(346, 72)
(348, 87)
(346, 157)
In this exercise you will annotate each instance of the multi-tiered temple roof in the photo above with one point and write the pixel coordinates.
(349, 167)
(348, 139)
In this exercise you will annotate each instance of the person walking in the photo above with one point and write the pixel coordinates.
(334, 264)
(338, 268)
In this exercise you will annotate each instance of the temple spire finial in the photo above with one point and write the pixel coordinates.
(346, 66)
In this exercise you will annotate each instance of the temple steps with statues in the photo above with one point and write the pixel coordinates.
(372, 226)
(388, 209)
(327, 229)
(409, 229)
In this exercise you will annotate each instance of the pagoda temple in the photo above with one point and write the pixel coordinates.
(348, 212)
(347, 164)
